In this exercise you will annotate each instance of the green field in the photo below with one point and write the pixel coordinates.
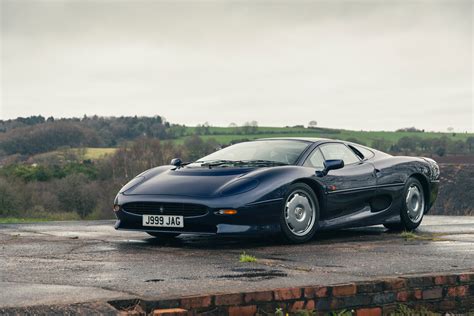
(97, 153)
(88, 153)
(225, 135)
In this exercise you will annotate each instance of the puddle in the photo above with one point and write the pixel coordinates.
(154, 280)
(125, 305)
(132, 241)
(104, 248)
(279, 259)
(248, 270)
(188, 278)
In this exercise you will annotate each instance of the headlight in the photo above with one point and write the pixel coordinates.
(135, 181)
(434, 174)
(239, 186)
(435, 171)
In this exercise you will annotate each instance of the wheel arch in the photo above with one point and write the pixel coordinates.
(317, 189)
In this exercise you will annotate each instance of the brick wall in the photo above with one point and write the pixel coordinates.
(449, 293)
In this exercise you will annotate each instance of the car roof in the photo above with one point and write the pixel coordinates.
(304, 139)
(316, 140)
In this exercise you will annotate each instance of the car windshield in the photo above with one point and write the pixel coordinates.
(263, 152)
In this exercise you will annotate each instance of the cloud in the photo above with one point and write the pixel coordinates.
(348, 64)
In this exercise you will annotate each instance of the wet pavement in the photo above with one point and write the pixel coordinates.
(74, 262)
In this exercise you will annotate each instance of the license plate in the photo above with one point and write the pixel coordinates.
(163, 221)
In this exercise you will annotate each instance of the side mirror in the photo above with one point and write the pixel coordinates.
(329, 165)
(176, 162)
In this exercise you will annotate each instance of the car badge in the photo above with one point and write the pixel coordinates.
(162, 209)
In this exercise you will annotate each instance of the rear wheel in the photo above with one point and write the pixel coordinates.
(300, 214)
(163, 235)
(413, 207)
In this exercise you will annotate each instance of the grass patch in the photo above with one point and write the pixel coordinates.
(305, 312)
(48, 217)
(17, 220)
(341, 313)
(412, 236)
(88, 153)
(403, 310)
(247, 258)
(408, 235)
(98, 153)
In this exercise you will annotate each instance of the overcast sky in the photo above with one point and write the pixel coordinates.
(371, 65)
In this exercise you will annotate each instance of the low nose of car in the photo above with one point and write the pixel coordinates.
(200, 182)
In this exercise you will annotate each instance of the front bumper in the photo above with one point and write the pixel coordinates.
(254, 218)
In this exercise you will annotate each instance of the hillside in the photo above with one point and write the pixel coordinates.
(72, 168)
(23, 138)
(225, 135)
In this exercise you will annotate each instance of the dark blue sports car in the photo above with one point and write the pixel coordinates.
(294, 186)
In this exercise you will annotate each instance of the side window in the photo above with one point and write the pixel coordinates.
(364, 151)
(339, 151)
(315, 160)
(357, 152)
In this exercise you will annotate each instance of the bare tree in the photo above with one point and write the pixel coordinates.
(312, 124)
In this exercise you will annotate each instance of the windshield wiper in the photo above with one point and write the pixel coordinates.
(265, 162)
(216, 163)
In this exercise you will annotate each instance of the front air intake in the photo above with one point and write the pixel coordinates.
(157, 208)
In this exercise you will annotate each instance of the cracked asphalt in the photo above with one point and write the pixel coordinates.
(76, 262)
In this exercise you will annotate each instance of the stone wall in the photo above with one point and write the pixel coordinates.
(440, 293)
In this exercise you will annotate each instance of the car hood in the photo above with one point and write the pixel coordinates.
(202, 182)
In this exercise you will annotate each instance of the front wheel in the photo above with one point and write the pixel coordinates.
(413, 207)
(300, 214)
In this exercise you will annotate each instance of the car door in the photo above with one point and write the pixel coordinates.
(348, 189)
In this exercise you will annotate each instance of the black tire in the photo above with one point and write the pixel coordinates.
(163, 235)
(407, 220)
(304, 193)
